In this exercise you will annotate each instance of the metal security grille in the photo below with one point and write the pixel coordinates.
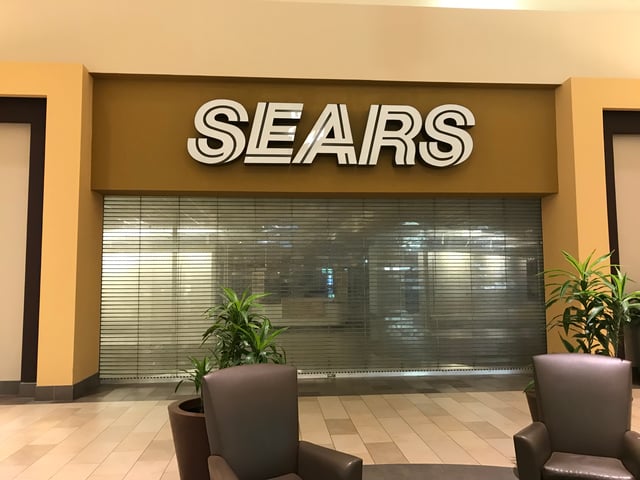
(367, 285)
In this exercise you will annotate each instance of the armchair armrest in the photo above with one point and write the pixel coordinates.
(533, 449)
(320, 463)
(219, 469)
(631, 452)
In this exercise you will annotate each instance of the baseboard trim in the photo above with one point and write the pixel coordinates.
(67, 393)
(9, 387)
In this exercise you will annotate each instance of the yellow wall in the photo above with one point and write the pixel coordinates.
(69, 308)
(576, 218)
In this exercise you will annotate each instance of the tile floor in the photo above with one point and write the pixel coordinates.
(122, 432)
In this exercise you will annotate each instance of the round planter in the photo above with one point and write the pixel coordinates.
(532, 402)
(189, 439)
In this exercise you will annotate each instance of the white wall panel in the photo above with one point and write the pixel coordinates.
(14, 187)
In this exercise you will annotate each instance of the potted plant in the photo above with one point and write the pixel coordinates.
(596, 305)
(237, 335)
(188, 429)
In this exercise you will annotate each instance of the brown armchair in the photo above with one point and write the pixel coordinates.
(584, 403)
(251, 412)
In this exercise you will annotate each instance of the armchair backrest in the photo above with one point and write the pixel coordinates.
(584, 401)
(251, 413)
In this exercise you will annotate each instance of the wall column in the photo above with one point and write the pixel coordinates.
(68, 341)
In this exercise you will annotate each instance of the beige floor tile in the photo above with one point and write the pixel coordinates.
(496, 419)
(480, 450)
(448, 423)
(418, 398)
(158, 451)
(415, 449)
(314, 429)
(75, 471)
(46, 466)
(153, 421)
(331, 408)
(485, 430)
(164, 433)
(147, 470)
(462, 397)
(489, 399)
(450, 451)
(340, 426)
(117, 463)
(504, 446)
(309, 406)
(172, 466)
(27, 455)
(9, 472)
(430, 432)
(371, 433)
(105, 477)
(135, 442)
(134, 414)
(431, 409)
(387, 452)
(95, 452)
(352, 444)
(396, 426)
(514, 414)
(355, 407)
(170, 476)
(458, 410)
(380, 407)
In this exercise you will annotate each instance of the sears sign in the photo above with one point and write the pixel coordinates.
(274, 129)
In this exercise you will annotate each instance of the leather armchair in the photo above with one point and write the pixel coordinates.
(584, 403)
(251, 413)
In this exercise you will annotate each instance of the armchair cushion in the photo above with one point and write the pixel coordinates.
(631, 452)
(533, 449)
(568, 466)
(219, 469)
(320, 463)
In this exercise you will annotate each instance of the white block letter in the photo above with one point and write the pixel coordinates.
(272, 123)
(451, 133)
(331, 134)
(378, 133)
(231, 138)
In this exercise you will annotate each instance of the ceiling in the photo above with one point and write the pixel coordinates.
(538, 5)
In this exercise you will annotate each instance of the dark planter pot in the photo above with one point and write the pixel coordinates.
(632, 347)
(532, 401)
(189, 439)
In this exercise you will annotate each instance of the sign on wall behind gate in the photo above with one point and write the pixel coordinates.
(268, 136)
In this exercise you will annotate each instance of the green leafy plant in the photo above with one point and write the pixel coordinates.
(195, 374)
(239, 335)
(596, 304)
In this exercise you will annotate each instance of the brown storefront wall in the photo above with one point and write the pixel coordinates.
(141, 126)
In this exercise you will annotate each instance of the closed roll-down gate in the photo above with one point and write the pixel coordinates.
(364, 285)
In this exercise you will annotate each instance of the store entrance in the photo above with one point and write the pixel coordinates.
(365, 286)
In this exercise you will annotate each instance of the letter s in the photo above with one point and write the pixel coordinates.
(231, 138)
(440, 131)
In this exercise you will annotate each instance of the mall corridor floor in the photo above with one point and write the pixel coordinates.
(122, 431)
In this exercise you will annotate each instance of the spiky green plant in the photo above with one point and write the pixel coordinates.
(239, 335)
(195, 374)
(596, 304)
